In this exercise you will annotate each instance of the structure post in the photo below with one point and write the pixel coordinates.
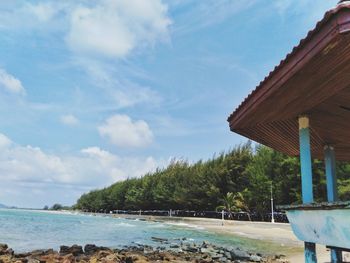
(306, 177)
(272, 212)
(305, 160)
(332, 192)
(222, 217)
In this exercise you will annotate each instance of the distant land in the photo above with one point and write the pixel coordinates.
(5, 206)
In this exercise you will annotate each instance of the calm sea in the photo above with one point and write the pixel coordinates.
(26, 230)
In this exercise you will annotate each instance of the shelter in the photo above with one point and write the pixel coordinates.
(302, 108)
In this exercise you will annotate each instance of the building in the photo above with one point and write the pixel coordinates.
(302, 108)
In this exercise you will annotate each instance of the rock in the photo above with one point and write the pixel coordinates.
(190, 249)
(239, 254)
(22, 255)
(191, 252)
(103, 253)
(90, 249)
(41, 252)
(69, 258)
(227, 255)
(222, 259)
(3, 249)
(255, 258)
(159, 239)
(215, 256)
(10, 251)
(205, 244)
(174, 246)
(129, 260)
(204, 250)
(75, 250)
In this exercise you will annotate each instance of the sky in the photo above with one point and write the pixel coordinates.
(94, 92)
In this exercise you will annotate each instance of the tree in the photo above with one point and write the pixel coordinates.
(56, 207)
(201, 186)
(241, 204)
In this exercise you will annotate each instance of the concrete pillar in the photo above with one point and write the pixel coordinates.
(306, 177)
(305, 160)
(332, 191)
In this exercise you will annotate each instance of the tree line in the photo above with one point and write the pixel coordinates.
(246, 170)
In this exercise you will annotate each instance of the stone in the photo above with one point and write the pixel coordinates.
(227, 255)
(239, 254)
(91, 249)
(129, 260)
(174, 246)
(3, 249)
(75, 250)
(255, 258)
(158, 239)
(222, 259)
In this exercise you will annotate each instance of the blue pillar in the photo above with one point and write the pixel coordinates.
(310, 252)
(332, 192)
(305, 160)
(306, 178)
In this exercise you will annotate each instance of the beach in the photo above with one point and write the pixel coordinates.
(276, 237)
(45, 230)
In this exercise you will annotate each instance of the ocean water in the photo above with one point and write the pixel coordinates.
(25, 230)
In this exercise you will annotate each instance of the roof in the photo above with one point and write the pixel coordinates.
(310, 80)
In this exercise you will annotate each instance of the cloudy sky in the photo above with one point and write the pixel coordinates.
(92, 92)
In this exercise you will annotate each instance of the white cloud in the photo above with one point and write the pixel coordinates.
(100, 34)
(44, 12)
(69, 120)
(4, 141)
(122, 91)
(113, 28)
(196, 15)
(56, 176)
(10, 83)
(123, 132)
(117, 167)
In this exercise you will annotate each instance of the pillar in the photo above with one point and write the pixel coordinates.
(305, 160)
(306, 177)
(332, 192)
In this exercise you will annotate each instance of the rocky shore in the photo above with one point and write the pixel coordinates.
(167, 251)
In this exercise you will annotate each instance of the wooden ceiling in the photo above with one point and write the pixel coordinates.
(314, 79)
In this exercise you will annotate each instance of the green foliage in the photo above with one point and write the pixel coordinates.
(234, 203)
(56, 207)
(239, 180)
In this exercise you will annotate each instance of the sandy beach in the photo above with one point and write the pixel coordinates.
(276, 237)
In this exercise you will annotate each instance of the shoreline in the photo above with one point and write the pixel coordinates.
(276, 237)
(258, 237)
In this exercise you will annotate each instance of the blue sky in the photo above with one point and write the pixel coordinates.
(92, 92)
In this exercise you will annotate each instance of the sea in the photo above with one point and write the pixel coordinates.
(27, 230)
